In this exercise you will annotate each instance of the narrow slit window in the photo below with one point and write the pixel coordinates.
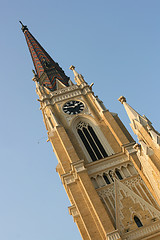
(118, 174)
(138, 221)
(106, 178)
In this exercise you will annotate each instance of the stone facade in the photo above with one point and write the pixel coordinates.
(107, 195)
(112, 183)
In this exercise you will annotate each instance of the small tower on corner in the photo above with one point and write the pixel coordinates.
(149, 148)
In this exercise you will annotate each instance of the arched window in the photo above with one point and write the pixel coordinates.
(118, 174)
(91, 141)
(106, 178)
(138, 221)
(111, 175)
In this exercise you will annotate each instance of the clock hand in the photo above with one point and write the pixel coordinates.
(76, 104)
(68, 107)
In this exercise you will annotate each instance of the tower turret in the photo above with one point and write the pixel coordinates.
(97, 162)
(149, 149)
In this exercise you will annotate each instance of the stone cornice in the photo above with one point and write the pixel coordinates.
(72, 176)
(129, 148)
(64, 94)
(113, 235)
(78, 166)
(68, 178)
(73, 211)
(102, 164)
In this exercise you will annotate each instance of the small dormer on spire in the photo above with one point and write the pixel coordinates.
(77, 77)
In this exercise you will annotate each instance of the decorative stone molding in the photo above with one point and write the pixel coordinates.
(146, 150)
(51, 134)
(133, 181)
(73, 211)
(86, 90)
(78, 166)
(143, 232)
(66, 96)
(129, 149)
(64, 90)
(46, 102)
(109, 190)
(113, 235)
(155, 136)
(111, 162)
(137, 146)
(62, 94)
(68, 178)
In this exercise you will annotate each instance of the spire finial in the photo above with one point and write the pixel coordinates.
(23, 27)
(72, 67)
(122, 99)
(74, 71)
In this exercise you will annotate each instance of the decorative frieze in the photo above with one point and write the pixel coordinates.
(143, 232)
(113, 235)
(65, 96)
(111, 162)
(109, 190)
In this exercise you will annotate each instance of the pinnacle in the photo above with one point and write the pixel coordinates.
(122, 99)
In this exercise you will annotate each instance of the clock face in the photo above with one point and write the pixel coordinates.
(73, 107)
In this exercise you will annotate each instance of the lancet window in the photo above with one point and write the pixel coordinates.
(138, 221)
(91, 142)
(106, 178)
(118, 174)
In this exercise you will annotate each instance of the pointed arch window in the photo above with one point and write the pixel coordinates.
(118, 174)
(106, 178)
(91, 142)
(138, 221)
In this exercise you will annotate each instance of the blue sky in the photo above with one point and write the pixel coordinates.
(116, 45)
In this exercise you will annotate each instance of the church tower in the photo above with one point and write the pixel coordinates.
(111, 195)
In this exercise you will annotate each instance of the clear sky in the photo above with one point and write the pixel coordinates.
(116, 45)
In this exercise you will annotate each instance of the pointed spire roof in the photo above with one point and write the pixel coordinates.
(132, 114)
(47, 70)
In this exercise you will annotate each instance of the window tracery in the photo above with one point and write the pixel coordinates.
(90, 140)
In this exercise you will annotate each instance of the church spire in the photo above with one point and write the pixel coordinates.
(47, 70)
(142, 127)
